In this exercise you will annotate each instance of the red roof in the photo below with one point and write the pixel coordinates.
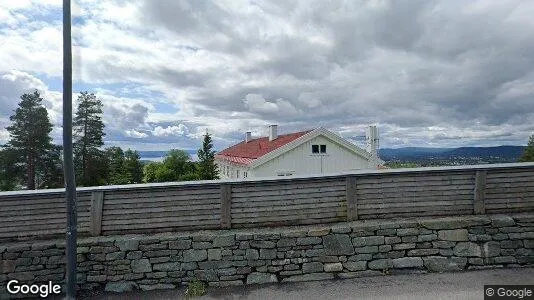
(245, 153)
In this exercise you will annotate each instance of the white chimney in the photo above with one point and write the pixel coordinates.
(248, 136)
(273, 132)
(371, 138)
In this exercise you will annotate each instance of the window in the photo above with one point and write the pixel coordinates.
(318, 149)
(237, 173)
(245, 174)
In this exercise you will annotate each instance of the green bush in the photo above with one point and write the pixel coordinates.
(195, 288)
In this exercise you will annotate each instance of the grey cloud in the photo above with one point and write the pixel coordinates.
(183, 78)
(411, 64)
(124, 117)
(12, 85)
(408, 65)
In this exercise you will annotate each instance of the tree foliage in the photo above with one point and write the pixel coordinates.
(151, 172)
(30, 136)
(179, 163)
(31, 159)
(10, 169)
(528, 153)
(115, 166)
(207, 169)
(176, 166)
(124, 167)
(133, 166)
(50, 173)
(90, 163)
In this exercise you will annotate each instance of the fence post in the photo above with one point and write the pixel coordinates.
(479, 207)
(226, 206)
(352, 203)
(97, 202)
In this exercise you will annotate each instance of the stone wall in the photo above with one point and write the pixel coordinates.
(234, 257)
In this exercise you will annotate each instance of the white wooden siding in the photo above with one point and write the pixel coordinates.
(302, 161)
(233, 170)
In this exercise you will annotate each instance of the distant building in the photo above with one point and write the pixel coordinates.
(309, 152)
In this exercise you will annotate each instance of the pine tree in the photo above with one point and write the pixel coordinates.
(11, 170)
(207, 169)
(528, 153)
(50, 174)
(30, 135)
(90, 162)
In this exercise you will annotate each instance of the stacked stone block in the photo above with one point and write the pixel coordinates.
(256, 256)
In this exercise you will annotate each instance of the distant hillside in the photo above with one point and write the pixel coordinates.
(506, 153)
(500, 151)
(412, 152)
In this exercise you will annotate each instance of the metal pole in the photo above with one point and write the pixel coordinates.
(70, 183)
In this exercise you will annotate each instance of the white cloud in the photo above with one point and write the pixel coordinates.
(257, 104)
(179, 130)
(13, 84)
(136, 134)
(234, 66)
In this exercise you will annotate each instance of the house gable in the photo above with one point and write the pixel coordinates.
(307, 137)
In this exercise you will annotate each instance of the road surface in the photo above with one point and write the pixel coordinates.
(459, 285)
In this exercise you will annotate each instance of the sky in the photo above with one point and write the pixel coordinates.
(445, 73)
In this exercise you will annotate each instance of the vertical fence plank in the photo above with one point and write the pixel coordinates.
(97, 202)
(479, 207)
(226, 206)
(352, 205)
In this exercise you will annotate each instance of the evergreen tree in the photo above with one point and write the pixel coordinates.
(90, 162)
(528, 153)
(30, 135)
(207, 169)
(50, 173)
(133, 166)
(10, 169)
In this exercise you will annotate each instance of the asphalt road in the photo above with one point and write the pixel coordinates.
(460, 285)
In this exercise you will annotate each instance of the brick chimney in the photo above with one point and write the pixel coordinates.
(248, 136)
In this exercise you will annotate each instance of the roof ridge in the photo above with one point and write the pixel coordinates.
(280, 135)
(260, 146)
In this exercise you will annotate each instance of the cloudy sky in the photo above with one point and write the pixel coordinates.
(429, 73)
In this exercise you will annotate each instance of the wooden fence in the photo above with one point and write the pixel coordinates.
(367, 194)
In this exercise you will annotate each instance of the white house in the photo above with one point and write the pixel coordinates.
(307, 152)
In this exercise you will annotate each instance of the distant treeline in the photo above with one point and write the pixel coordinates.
(31, 161)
